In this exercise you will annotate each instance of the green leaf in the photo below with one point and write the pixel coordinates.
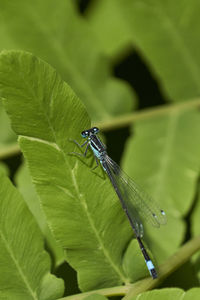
(95, 297)
(195, 229)
(7, 136)
(25, 186)
(55, 32)
(165, 294)
(166, 33)
(4, 169)
(106, 18)
(168, 294)
(195, 215)
(25, 266)
(168, 170)
(81, 207)
(192, 294)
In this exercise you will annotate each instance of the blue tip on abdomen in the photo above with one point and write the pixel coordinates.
(150, 265)
(151, 269)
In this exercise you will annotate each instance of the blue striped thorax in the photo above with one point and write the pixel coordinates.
(96, 145)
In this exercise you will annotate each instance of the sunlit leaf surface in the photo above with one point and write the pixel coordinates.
(56, 33)
(80, 205)
(25, 265)
(25, 186)
(168, 294)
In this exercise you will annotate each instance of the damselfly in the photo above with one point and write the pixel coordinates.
(135, 202)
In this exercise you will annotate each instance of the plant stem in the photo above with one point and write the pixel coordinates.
(8, 151)
(172, 264)
(123, 120)
(127, 119)
(109, 292)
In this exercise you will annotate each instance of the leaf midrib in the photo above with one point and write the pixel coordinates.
(22, 274)
(96, 234)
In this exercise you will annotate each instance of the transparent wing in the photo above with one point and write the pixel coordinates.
(139, 204)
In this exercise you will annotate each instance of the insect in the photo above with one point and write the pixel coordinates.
(135, 202)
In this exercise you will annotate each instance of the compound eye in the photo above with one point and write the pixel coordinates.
(84, 133)
(95, 129)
